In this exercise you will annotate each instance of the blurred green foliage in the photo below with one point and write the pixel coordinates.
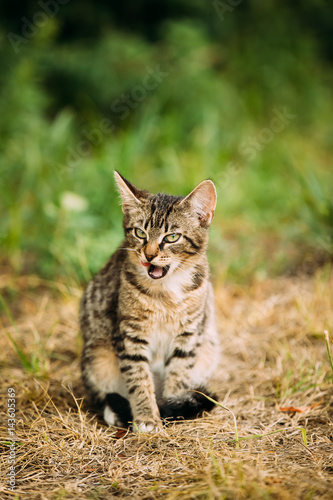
(241, 96)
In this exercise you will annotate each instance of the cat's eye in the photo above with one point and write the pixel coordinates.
(172, 238)
(140, 234)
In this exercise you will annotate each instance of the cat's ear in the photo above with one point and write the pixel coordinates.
(202, 201)
(131, 196)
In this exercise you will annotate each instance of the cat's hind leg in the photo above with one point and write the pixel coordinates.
(117, 410)
(190, 405)
(104, 382)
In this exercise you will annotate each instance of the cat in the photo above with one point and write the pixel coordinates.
(147, 318)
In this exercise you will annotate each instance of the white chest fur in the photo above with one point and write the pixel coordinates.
(175, 283)
(160, 349)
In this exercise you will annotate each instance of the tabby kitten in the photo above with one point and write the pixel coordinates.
(147, 318)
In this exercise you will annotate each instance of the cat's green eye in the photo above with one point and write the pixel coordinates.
(140, 234)
(172, 238)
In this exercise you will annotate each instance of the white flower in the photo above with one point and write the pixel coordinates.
(73, 202)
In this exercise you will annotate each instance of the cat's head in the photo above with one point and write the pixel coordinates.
(166, 233)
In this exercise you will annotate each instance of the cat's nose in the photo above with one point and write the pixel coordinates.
(151, 250)
(149, 257)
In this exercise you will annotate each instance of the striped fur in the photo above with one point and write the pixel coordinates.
(147, 318)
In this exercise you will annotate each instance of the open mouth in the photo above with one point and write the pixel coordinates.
(157, 272)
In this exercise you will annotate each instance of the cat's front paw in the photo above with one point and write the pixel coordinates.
(147, 425)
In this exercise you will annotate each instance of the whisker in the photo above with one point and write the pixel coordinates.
(186, 261)
(130, 249)
(182, 261)
(192, 273)
(185, 271)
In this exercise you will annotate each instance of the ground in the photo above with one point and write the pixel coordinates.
(275, 379)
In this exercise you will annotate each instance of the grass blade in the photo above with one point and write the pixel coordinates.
(254, 436)
(225, 408)
(23, 358)
(303, 431)
(327, 340)
(258, 436)
(9, 314)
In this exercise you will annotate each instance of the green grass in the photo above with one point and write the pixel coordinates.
(60, 206)
(36, 362)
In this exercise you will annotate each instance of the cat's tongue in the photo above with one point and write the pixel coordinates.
(155, 271)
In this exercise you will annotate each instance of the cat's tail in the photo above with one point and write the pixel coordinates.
(187, 407)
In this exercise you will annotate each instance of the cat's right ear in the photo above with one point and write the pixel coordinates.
(130, 195)
(202, 201)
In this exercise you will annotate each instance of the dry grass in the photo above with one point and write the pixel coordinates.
(274, 356)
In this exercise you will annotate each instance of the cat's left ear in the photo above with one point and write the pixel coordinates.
(203, 202)
(131, 196)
